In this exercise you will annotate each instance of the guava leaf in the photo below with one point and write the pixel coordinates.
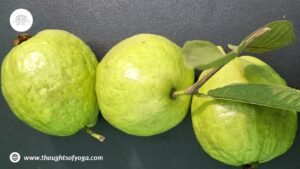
(272, 36)
(274, 96)
(202, 55)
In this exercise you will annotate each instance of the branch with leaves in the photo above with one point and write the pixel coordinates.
(203, 55)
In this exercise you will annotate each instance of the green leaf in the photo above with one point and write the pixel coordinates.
(272, 36)
(274, 96)
(202, 55)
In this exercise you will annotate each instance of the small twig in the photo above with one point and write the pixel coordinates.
(195, 87)
(20, 39)
(99, 137)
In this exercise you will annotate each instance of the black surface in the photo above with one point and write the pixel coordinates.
(102, 24)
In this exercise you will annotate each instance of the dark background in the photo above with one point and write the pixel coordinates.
(104, 23)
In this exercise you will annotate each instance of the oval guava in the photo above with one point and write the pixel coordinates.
(49, 82)
(238, 133)
(134, 83)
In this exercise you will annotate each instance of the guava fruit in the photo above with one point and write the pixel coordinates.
(49, 83)
(134, 83)
(238, 133)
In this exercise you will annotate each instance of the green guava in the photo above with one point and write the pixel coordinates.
(49, 83)
(134, 83)
(238, 133)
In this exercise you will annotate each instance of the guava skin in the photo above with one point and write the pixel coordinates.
(134, 83)
(49, 83)
(238, 133)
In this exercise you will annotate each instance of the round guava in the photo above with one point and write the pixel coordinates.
(134, 83)
(49, 82)
(238, 133)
